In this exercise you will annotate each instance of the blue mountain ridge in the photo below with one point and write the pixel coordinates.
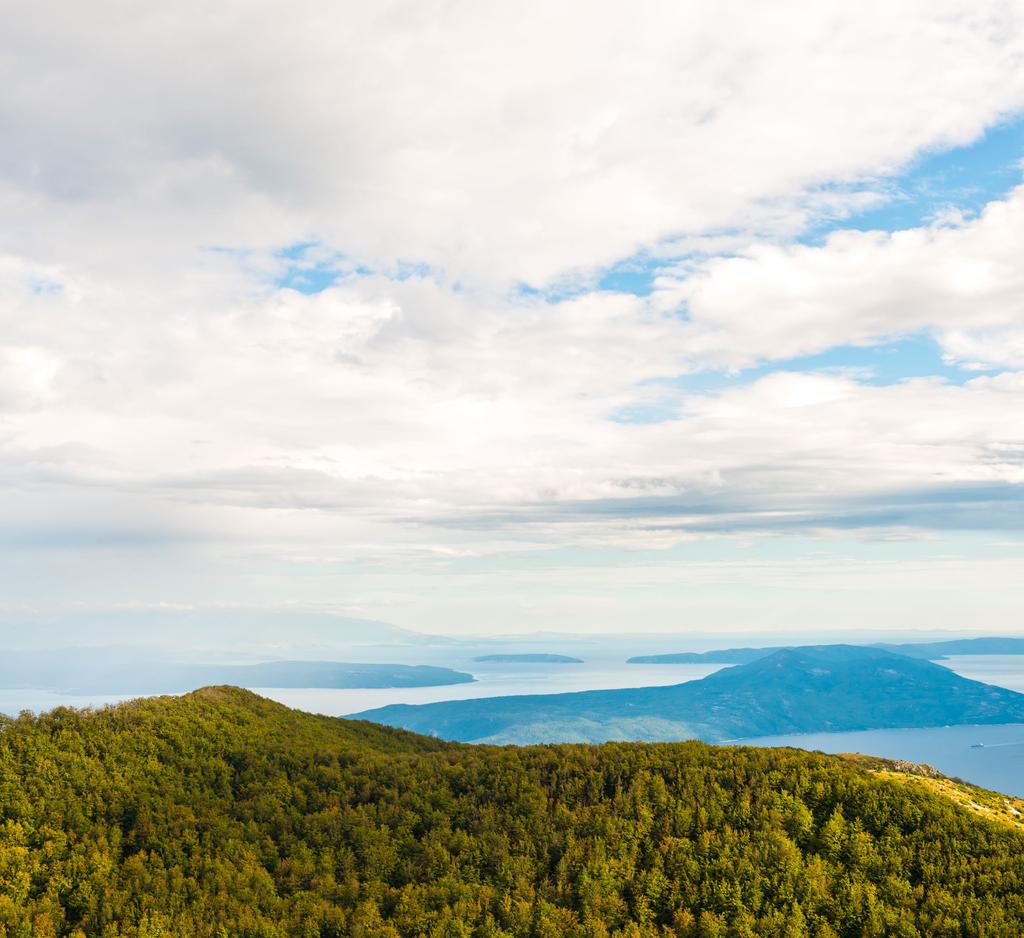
(793, 690)
(931, 651)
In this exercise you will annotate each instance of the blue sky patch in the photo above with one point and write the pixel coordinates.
(307, 268)
(963, 179)
(915, 356)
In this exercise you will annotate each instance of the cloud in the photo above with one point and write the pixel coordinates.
(961, 282)
(165, 393)
(497, 144)
(382, 418)
(380, 404)
(986, 349)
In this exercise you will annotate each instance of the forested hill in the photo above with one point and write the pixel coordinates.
(221, 814)
(795, 690)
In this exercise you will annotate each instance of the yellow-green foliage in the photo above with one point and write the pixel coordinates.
(220, 814)
(993, 805)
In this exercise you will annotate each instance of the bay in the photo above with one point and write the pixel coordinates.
(1004, 670)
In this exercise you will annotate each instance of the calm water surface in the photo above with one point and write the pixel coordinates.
(494, 680)
(1004, 670)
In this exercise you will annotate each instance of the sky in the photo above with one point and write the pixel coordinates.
(485, 318)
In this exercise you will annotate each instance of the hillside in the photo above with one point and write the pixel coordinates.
(794, 690)
(223, 814)
(992, 805)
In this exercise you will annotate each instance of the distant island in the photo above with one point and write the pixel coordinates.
(530, 659)
(936, 651)
(824, 688)
(89, 673)
(291, 674)
(718, 656)
(929, 651)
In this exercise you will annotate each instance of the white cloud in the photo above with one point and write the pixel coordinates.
(494, 142)
(158, 392)
(986, 349)
(412, 403)
(962, 282)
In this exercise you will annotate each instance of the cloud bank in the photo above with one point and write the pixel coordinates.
(326, 284)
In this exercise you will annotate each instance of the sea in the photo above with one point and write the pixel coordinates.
(496, 679)
(492, 679)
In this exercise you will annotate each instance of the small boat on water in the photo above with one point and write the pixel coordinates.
(977, 745)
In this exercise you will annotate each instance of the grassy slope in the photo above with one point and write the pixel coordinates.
(1007, 810)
